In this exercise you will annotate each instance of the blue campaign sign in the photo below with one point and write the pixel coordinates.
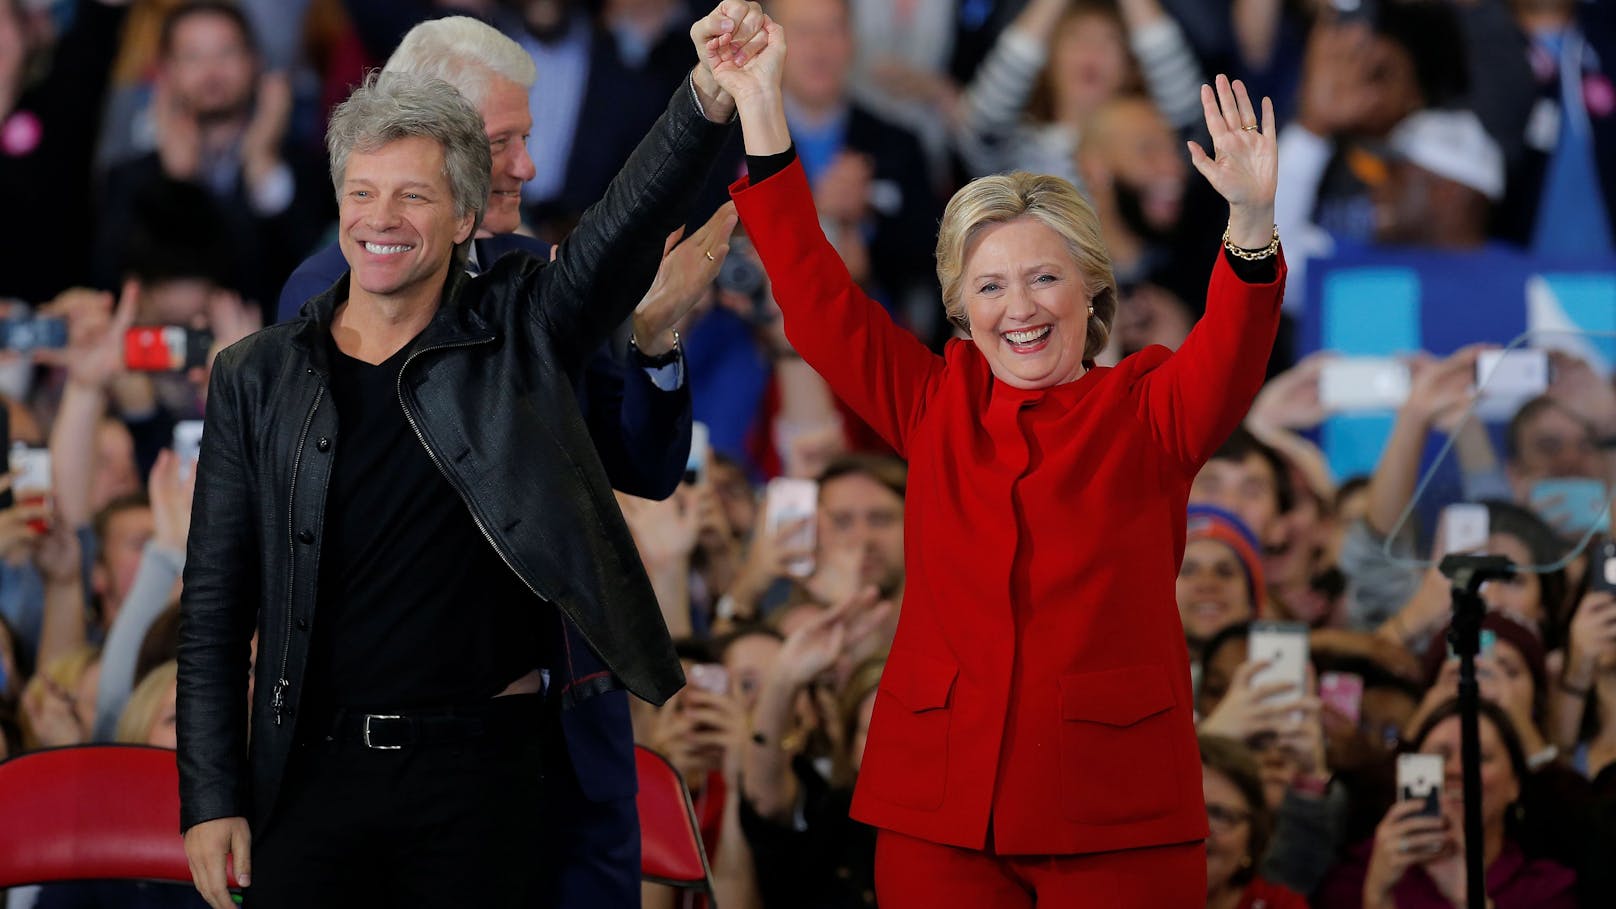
(1386, 302)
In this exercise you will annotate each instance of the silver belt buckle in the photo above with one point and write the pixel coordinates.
(380, 716)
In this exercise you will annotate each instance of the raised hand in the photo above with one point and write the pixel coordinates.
(179, 136)
(95, 334)
(1249, 710)
(736, 23)
(747, 71)
(1245, 169)
(1441, 391)
(1403, 839)
(172, 486)
(1291, 399)
(272, 114)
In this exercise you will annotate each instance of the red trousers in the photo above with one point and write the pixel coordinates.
(912, 873)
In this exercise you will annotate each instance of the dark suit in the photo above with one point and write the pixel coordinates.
(1516, 216)
(619, 104)
(642, 435)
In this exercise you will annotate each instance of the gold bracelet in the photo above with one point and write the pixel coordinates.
(1252, 255)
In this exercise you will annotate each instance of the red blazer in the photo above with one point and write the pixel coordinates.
(1039, 680)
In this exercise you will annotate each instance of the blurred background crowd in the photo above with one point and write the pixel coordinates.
(171, 151)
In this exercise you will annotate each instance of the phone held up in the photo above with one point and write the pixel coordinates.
(786, 500)
(165, 348)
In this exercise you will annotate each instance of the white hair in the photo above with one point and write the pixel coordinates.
(464, 52)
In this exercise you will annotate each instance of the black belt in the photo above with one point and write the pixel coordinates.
(505, 717)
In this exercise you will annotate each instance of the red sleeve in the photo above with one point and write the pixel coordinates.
(880, 370)
(1192, 402)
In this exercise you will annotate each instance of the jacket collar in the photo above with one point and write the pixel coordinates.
(455, 322)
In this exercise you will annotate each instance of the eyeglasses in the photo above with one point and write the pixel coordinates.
(1224, 819)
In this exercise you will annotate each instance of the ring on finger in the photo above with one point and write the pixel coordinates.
(1252, 128)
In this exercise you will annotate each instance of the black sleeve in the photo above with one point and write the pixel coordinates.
(762, 167)
(1262, 271)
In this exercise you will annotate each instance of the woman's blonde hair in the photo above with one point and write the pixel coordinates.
(64, 673)
(1053, 202)
(134, 726)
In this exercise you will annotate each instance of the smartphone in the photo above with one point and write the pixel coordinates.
(33, 333)
(1602, 573)
(1463, 527)
(1514, 374)
(1343, 693)
(1284, 646)
(31, 480)
(1571, 505)
(1419, 779)
(786, 500)
(187, 445)
(712, 678)
(700, 453)
(165, 348)
(1363, 383)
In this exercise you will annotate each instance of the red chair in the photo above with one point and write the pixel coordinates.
(92, 812)
(111, 812)
(671, 851)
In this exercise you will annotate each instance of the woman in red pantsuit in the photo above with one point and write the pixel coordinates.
(1032, 741)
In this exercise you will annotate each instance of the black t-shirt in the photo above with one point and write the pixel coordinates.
(416, 608)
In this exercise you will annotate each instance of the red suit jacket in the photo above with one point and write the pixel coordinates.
(1039, 680)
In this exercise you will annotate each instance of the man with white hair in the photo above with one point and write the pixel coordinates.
(397, 495)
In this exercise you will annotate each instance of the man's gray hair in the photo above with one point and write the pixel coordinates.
(463, 52)
(394, 106)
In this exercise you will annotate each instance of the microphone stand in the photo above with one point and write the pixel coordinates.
(1467, 573)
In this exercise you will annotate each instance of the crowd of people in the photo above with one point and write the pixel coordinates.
(165, 165)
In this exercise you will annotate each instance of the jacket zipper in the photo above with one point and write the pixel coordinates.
(410, 418)
(277, 700)
(466, 500)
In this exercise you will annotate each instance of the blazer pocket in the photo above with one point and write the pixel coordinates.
(906, 761)
(1119, 743)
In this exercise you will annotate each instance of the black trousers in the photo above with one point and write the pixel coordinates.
(434, 825)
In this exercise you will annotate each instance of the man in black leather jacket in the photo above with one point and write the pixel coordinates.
(400, 497)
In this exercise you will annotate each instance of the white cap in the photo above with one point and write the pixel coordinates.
(1454, 145)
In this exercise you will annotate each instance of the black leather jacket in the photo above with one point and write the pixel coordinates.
(485, 388)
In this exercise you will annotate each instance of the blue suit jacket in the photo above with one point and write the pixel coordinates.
(642, 435)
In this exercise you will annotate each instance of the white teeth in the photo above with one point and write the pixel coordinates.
(380, 250)
(1026, 337)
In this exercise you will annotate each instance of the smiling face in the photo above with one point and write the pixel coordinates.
(1212, 589)
(508, 119)
(398, 221)
(1027, 304)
